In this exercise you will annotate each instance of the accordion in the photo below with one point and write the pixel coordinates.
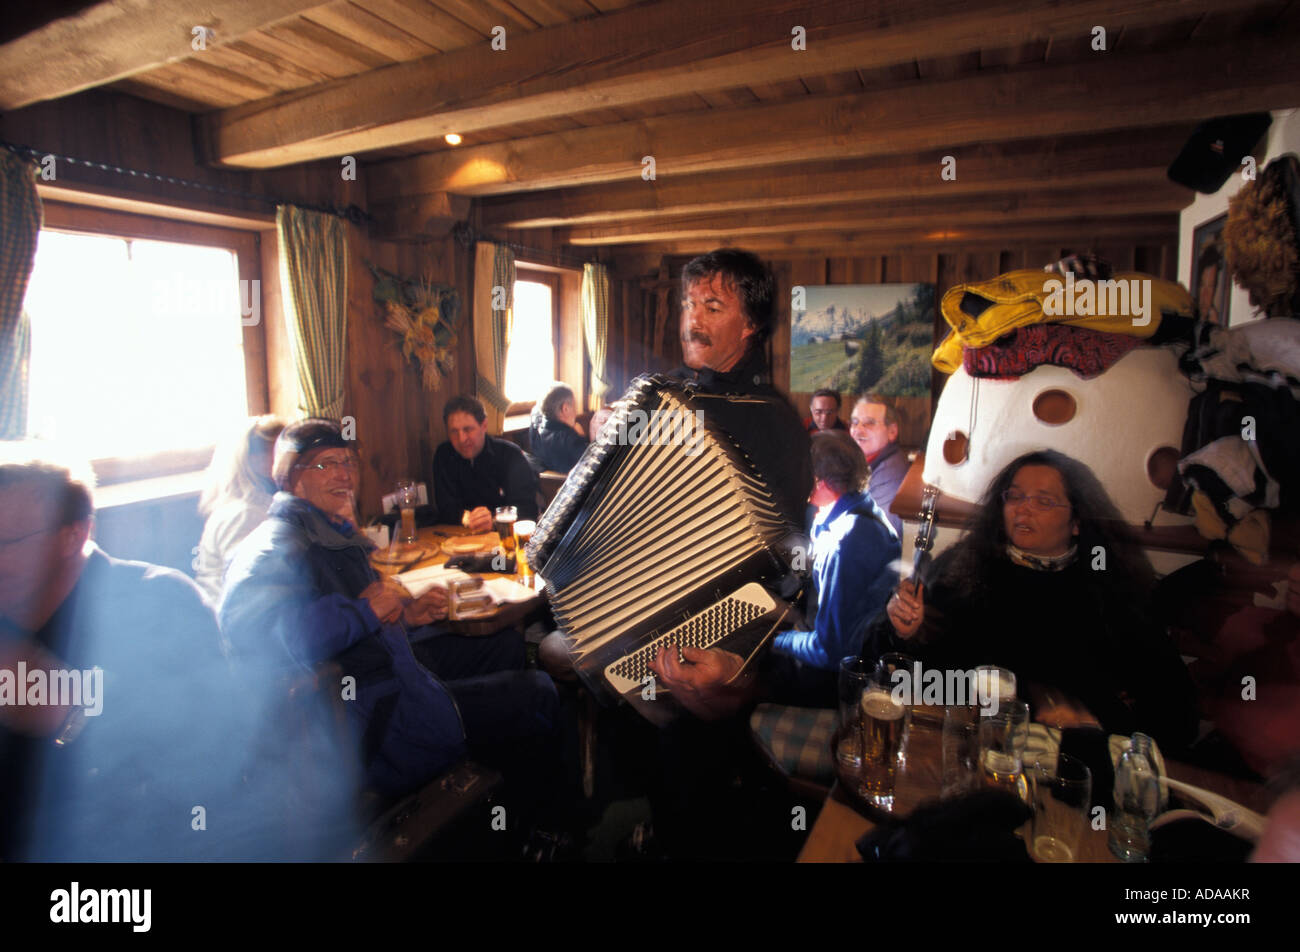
(665, 534)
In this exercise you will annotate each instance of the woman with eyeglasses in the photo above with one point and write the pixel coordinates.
(1047, 581)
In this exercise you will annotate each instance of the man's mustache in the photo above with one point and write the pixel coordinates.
(697, 337)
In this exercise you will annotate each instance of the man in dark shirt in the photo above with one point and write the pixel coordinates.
(474, 473)
(824, 411)
(553, 435)
(727, 315)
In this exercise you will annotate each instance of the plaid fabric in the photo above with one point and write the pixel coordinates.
(595, 324)
(494, 266)
(798, 739)
(20, 226)
(314, 271)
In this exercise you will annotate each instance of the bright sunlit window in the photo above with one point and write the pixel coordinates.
(137, 346)
(530, 362)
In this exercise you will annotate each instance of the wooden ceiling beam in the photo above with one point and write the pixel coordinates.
(1006, 210)
(1115, 92)
(120, 38)
(1079, 234)
(641, 54)
(1113, 159)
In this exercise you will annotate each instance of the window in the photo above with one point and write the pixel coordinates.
(530, 362)
(138, 344)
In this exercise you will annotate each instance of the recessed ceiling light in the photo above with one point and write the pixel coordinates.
(452, 138)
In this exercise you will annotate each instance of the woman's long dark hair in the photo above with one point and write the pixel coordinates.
(1127, 575)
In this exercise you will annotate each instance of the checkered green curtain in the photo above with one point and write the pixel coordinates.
(595, 325)
(20, 226)
(314, 272)
(492, 327)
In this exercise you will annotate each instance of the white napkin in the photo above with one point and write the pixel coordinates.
(419, 581)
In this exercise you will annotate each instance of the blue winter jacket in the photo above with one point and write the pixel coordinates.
(855, 552)
(291, 602)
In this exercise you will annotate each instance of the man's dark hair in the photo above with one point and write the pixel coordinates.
(747, 275)
(838, 461)
(827, 392)
(464, 404)
(555, 398)
(68, 483)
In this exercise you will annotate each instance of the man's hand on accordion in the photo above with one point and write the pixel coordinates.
(702, 683)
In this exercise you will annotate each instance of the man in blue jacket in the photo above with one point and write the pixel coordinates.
(301, 591)
(854, 555)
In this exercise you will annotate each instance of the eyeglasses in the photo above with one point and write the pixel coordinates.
(325, 465)
(1013, 497)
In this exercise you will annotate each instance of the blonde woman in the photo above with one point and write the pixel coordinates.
(236, 499)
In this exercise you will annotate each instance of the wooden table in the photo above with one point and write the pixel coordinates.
(513, 613)
(841, 823)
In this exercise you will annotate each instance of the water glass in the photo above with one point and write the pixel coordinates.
(961, 742)
(1061, 787)
(854, 675)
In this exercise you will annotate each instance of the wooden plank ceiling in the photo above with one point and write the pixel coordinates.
(833, 147)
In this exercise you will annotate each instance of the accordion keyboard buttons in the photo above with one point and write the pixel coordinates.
(702, 631)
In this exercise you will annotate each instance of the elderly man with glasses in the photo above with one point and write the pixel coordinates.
(119, 732)
(301, 591)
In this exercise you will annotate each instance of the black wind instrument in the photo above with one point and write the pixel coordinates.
(925, 533)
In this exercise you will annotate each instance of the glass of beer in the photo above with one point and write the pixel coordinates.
(407, 496)
(883, 720)
(523, 532)
(503, 521)
(854, 675)
(1003, 737)
(899, 674)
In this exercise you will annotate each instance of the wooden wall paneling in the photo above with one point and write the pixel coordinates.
(281, 377)
(375, 392)
(917, 411)
(109, 127)
(778, 347)
(946, 275)
(248, 259)
(658, 338)
(838, 270)
(890, 269)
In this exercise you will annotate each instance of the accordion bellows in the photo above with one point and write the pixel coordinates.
(659, 534)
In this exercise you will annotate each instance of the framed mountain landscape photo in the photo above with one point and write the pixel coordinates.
(859, 338)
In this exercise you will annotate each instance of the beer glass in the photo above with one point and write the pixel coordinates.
(503, 521)
(961, 744)
(883, 720)
(854, 675)
(1062, 791)
(902, 685)
(407, 496)
(523, 532)
(1003, 737)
